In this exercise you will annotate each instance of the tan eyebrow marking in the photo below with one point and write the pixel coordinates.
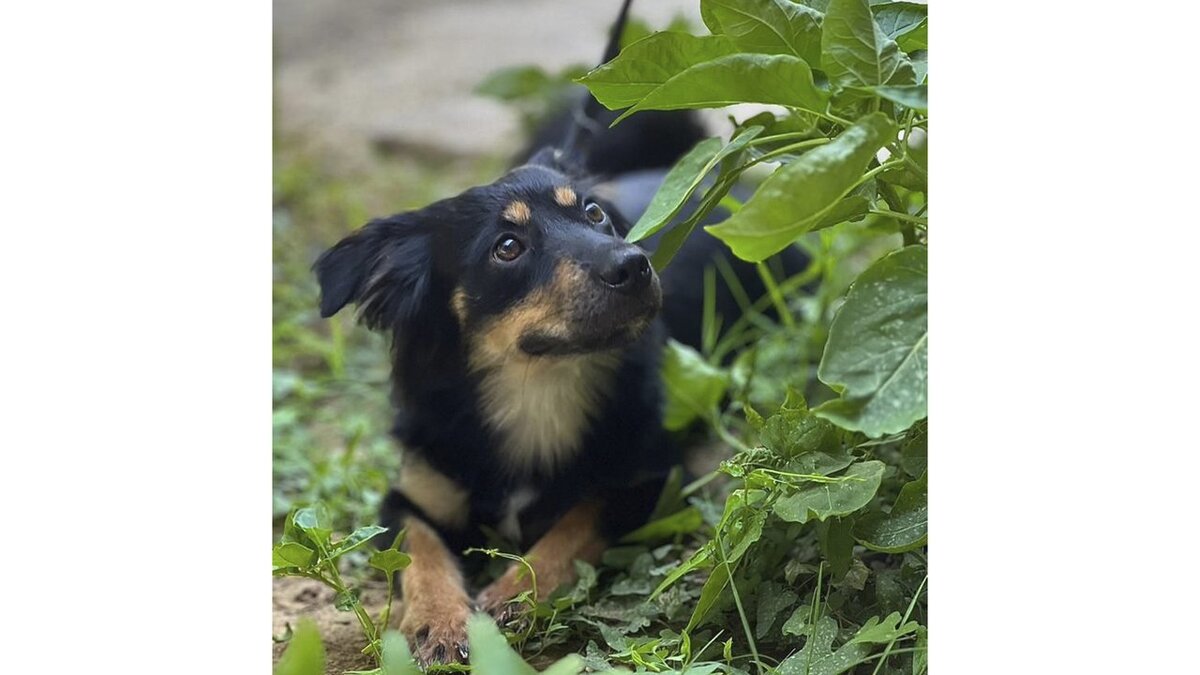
(517, 212)
(565, 196)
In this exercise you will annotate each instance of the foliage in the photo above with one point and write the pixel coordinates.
(804, 551)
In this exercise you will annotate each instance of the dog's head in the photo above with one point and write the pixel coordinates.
(532, 265)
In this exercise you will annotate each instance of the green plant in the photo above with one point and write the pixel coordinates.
(308, 549)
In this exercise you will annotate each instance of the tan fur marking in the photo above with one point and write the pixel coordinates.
(458, 305)
(565, 196)
(436, 604)
(517, 212)
(541, 405)
(440, 498)
(574, 537)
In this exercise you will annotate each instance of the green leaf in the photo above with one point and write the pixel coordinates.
(693, 386)
(818, 657)
(389, 560)
(683, 179)
(490, 653)
(292, 554)
(915, 450)
(649, 63)
(920, 663)
(841, 498)
(837, 544)
(904, 528)
(700, 558)
(737, 78)
(915, 96)
(855, 50)
(709, 594)
(879, 632)
(899, 18)
(357, 538)
(682, 522)
(305, 655)
(799, 195)
(314, 522)
(877, 352)
(806, 441)
(766, 26)
(397, 660)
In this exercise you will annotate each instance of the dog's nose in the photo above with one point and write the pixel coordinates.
(626, 270)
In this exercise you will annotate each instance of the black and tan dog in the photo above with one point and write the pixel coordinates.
(526, 345)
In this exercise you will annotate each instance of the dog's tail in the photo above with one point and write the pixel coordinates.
(650, 139)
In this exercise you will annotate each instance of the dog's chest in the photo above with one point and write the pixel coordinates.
(541, 409)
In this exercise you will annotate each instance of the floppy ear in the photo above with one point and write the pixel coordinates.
(386, 268)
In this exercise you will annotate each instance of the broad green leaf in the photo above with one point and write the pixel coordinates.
(314, 522)
(799, 195)
(915, 96)
(766, 26)
(737, 78)
(877, 352)
(357, 538)
(490, 653)
(807, 442)
(647, 64)
(292, 554)
(855, 50)
(397, 660)
(879, 632)
(899, 18)
(904, 528)
(841, 498)
(693, 386)
(389, 560)
(683, 522)
(797, 623)
(683, 179)
(818, 657)
(305, 655)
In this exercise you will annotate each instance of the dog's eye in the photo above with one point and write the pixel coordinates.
(594, 213)
(508, 249)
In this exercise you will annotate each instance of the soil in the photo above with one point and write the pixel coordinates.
(295, 598)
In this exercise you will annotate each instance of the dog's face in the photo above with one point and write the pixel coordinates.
(533, 265)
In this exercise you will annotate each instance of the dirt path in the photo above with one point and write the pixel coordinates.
(350, 74)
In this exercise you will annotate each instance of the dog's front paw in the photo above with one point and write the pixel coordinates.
(437, 634)
(498, 600)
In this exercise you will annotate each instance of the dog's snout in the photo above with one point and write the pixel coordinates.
(626, 270)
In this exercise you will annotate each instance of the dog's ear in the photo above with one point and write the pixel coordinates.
(386, 268)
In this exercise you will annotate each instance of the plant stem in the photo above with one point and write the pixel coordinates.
(921, 222)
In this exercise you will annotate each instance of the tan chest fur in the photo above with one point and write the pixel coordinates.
(542, 407)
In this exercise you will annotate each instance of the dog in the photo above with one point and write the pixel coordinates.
(527, 337)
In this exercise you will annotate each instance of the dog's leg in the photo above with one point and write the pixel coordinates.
(576, 536)
(436, 605)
